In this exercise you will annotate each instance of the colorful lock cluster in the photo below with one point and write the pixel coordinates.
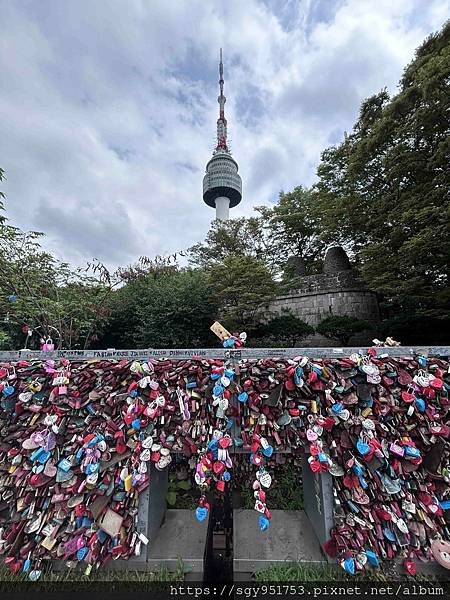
(77, 440)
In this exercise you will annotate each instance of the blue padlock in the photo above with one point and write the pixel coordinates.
(268, 451)
(243, 397)
(372, 558)
(349, 566)
(201, 512)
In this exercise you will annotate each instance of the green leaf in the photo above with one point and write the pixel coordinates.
(184, 485)
(171, 498)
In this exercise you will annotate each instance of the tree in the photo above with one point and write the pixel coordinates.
(234, 237)
(45, 295)
(292, 225)
(241, 286)
(169, 309)
(285, 330)
(341, 328)
(384, 192)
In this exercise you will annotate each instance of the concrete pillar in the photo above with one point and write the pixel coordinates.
(222, 208)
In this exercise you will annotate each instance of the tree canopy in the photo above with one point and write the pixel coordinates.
(384, 191)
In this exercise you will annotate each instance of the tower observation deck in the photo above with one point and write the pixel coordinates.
(222, 185)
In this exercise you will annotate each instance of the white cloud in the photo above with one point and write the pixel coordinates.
(108, 109)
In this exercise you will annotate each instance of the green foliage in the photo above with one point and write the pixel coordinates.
(417, 329)
(235, 237)
(285, 330)
(341, 328)
(384, 192)
(38, 291)
(292, 226)
(285, 494)
(175, 493)
(167, 310)
(241, 285)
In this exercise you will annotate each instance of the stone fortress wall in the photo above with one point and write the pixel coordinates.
(336, 291)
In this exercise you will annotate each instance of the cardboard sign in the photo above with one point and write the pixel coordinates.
(220, 331)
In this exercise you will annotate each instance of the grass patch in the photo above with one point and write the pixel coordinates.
(76, 580)
(305, 573)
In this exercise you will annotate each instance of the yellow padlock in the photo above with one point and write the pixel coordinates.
(35, 386)
(314, 407)
(128, 483)
(366, 412)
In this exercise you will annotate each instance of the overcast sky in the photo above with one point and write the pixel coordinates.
(108, 108)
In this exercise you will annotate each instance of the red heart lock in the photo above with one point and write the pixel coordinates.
(294, 412)
(327, 423)
(436, 383)
(257, 459)
(289, 385)
(14, 566)
(348, 481)
(407, 397)
(220, 485)
(155, 456)
(330, 548)
(129, 418)
(121, 447)
(218, 467)
(88, 438)
(312, 377)
(267, 514)
(254, 447)
(410, 566)
(372, 351)
(225, 442)
(262, 495)
(314, 449)
(434, 509)
(133, 385)
(315, 466)
(206, 461)
(117, 551)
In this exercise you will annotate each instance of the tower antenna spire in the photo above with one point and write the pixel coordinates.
(221, 121)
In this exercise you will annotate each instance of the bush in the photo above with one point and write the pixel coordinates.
(417, 329)
(342, 328)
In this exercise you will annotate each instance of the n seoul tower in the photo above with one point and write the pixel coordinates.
(222, 186)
